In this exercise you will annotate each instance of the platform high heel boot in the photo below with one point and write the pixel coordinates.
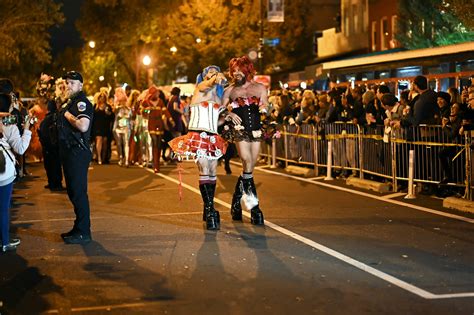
(213, 193)
(256, 215)
(204, 212)
(212, 216)
(236, 207)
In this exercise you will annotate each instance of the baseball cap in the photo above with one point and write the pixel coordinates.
(73, 75)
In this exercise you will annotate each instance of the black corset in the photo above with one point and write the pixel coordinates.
(250, 116)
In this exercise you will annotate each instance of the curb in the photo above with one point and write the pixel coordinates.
(459, 204)
(368, 184)
(299, 171)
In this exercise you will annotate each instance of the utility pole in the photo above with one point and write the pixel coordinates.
(260, 43)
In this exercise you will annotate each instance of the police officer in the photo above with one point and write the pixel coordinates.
(74, 129)
(48, 135)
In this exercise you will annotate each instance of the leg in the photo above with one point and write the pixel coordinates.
(98, 146)
(5, 198)
(248, 152)
(155, 140)
(243, 149)
(212, 167)
(132, 147)
(228, 155)
(207, 188)
(76, 164)
(149, 147)
(126, 148)
(47, 157)
(55, 169)
(118, 141)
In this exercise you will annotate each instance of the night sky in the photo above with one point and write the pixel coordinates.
(66, 34)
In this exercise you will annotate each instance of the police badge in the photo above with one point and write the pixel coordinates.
(81, 106)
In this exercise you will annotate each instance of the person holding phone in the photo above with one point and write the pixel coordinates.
(10, 142)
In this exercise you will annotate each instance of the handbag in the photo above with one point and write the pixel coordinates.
(3, 161)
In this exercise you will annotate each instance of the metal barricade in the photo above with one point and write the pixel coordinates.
(436, 155)
(468, 141)
(296, 145)
(345, 144)
(377, 152)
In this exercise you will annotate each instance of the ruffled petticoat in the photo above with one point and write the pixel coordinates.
(236, 133)
(199, 145)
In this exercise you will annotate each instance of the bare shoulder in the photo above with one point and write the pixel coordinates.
(258, 86)
(228, 89)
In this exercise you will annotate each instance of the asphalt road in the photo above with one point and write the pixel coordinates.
(323, 250)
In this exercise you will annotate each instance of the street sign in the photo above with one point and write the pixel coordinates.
(276, 10)
(272, 42)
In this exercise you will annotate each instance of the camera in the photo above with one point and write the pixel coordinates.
(31, 119)
(9, 120)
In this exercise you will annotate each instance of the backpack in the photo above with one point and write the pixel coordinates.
(3, 162)
(7, 164)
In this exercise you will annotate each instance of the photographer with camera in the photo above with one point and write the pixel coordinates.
(10, 142)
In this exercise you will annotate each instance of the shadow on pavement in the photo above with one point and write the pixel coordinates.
(22, 287)
(108, 266)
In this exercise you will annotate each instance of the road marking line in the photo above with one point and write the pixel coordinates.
(317, 178)
(351, 261)
(361, 193)
(394, 195)
(107, 307)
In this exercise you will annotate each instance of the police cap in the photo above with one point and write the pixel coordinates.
(73, 75)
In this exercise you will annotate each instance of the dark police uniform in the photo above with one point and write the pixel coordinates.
(48, 133)
(74, 150)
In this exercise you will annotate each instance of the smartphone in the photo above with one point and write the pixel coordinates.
(32, 119)
(9, 120)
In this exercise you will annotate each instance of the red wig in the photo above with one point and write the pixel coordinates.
(243, 64)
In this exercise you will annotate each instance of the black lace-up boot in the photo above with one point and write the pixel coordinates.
(211, 215)
(236, 208)
(256, 215)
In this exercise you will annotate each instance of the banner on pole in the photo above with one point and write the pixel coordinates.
(276, 10)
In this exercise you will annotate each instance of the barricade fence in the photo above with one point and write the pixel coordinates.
(377, 150)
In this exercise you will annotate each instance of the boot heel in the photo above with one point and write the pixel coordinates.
(256, 217)
(212, 221)
(204, 216)
(236, 214)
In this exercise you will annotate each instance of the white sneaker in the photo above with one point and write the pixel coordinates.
(11, 246)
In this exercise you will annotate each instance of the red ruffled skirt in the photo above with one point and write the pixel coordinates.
(199, 145)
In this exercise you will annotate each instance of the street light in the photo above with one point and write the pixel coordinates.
(173, 49)
(146, 60)
(101, 78)
(92, 44)
(198, 40)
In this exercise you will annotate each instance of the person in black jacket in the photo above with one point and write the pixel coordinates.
(425, 109)
(48, 135)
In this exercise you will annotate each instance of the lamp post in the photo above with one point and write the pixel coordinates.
(260, 43)
(146, 62)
